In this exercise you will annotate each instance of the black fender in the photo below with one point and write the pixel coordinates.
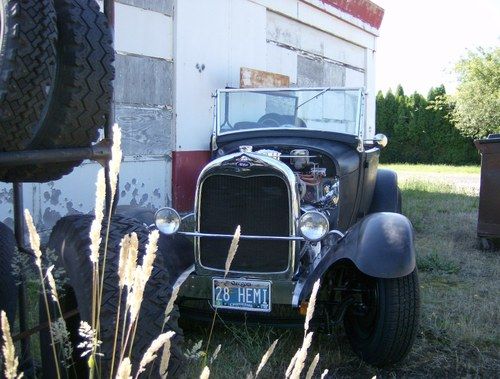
(380, 245)
(386, 197)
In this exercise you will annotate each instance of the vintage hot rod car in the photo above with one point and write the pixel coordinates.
(292, 169)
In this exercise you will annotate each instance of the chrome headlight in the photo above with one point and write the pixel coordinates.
(313, 226)
(167, 220)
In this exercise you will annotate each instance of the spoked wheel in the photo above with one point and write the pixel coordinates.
(382, 322)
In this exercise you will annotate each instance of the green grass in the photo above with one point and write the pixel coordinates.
(459, 334)
(440, 169)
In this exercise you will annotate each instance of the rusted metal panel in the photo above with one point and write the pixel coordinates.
(489, 200)
(143, 80)
(187, 165)
(145, 131)
(364, 10)
(161, 6)
(251, 78)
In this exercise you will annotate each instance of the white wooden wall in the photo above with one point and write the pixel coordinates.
(313, 43)
(171, 57)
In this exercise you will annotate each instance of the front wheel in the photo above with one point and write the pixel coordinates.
(381, 332)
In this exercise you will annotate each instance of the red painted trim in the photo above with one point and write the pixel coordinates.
(365, 10)
(186, 166)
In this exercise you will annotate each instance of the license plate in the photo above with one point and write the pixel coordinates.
(241, 294)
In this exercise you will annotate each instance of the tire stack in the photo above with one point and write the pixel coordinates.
(56, 73)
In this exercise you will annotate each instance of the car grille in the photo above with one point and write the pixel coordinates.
(260, 205)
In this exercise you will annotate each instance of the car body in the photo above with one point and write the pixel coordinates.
(290, 168)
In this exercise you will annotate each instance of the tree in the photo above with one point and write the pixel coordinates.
(477, 100)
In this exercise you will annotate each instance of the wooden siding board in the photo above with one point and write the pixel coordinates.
(146, 131)
(143, 80)
(250, 78)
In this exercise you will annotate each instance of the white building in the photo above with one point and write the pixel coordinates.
(171, 57)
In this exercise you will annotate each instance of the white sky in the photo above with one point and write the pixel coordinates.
(421, 40)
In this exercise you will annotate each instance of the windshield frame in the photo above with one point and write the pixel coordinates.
(219, 112)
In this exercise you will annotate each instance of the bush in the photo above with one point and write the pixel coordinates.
(420, 130)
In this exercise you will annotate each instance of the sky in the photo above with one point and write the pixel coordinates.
(420, 41)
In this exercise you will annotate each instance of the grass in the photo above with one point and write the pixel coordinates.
(436, 169)
(459, 334)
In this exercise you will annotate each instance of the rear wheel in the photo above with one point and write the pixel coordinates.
(381, 326)
(70, 240)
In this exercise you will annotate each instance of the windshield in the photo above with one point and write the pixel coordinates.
(323, 109)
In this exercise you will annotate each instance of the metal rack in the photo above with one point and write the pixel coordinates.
(100, 152)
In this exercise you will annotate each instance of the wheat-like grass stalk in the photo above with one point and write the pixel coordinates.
(165, 359)
(136, 293)
(34, 239)
(311, 305)
(95, 244)
(52, 284)
(205, 373)
(124, 369)
(230, 256)
(127, 263)
(324, 374)
(59, 327)
(171, 302)
(266, 357)
(141, 276)
(289, 369)
(9, 351)
(232, 249)
(96, 226)
(146, 270)
(123, 260)
(215, 354)
(150, 354)
(301, 358)
(114, 169)
(312, 367)
(116, 159)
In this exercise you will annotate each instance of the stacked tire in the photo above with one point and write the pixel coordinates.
(56, 73)
(70, 241)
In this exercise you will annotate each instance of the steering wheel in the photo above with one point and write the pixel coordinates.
(271, 120)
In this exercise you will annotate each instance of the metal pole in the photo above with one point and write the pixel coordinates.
(26, 361)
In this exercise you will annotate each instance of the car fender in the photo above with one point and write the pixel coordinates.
(380, 245)
(385, 194)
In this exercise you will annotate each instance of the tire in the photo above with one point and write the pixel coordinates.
(142, 214)
(28, 35)
(81, 98)
(8, 288)
(70, 240)
(385, 334)
(178, 254)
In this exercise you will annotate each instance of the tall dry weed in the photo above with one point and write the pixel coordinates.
(9, 351)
